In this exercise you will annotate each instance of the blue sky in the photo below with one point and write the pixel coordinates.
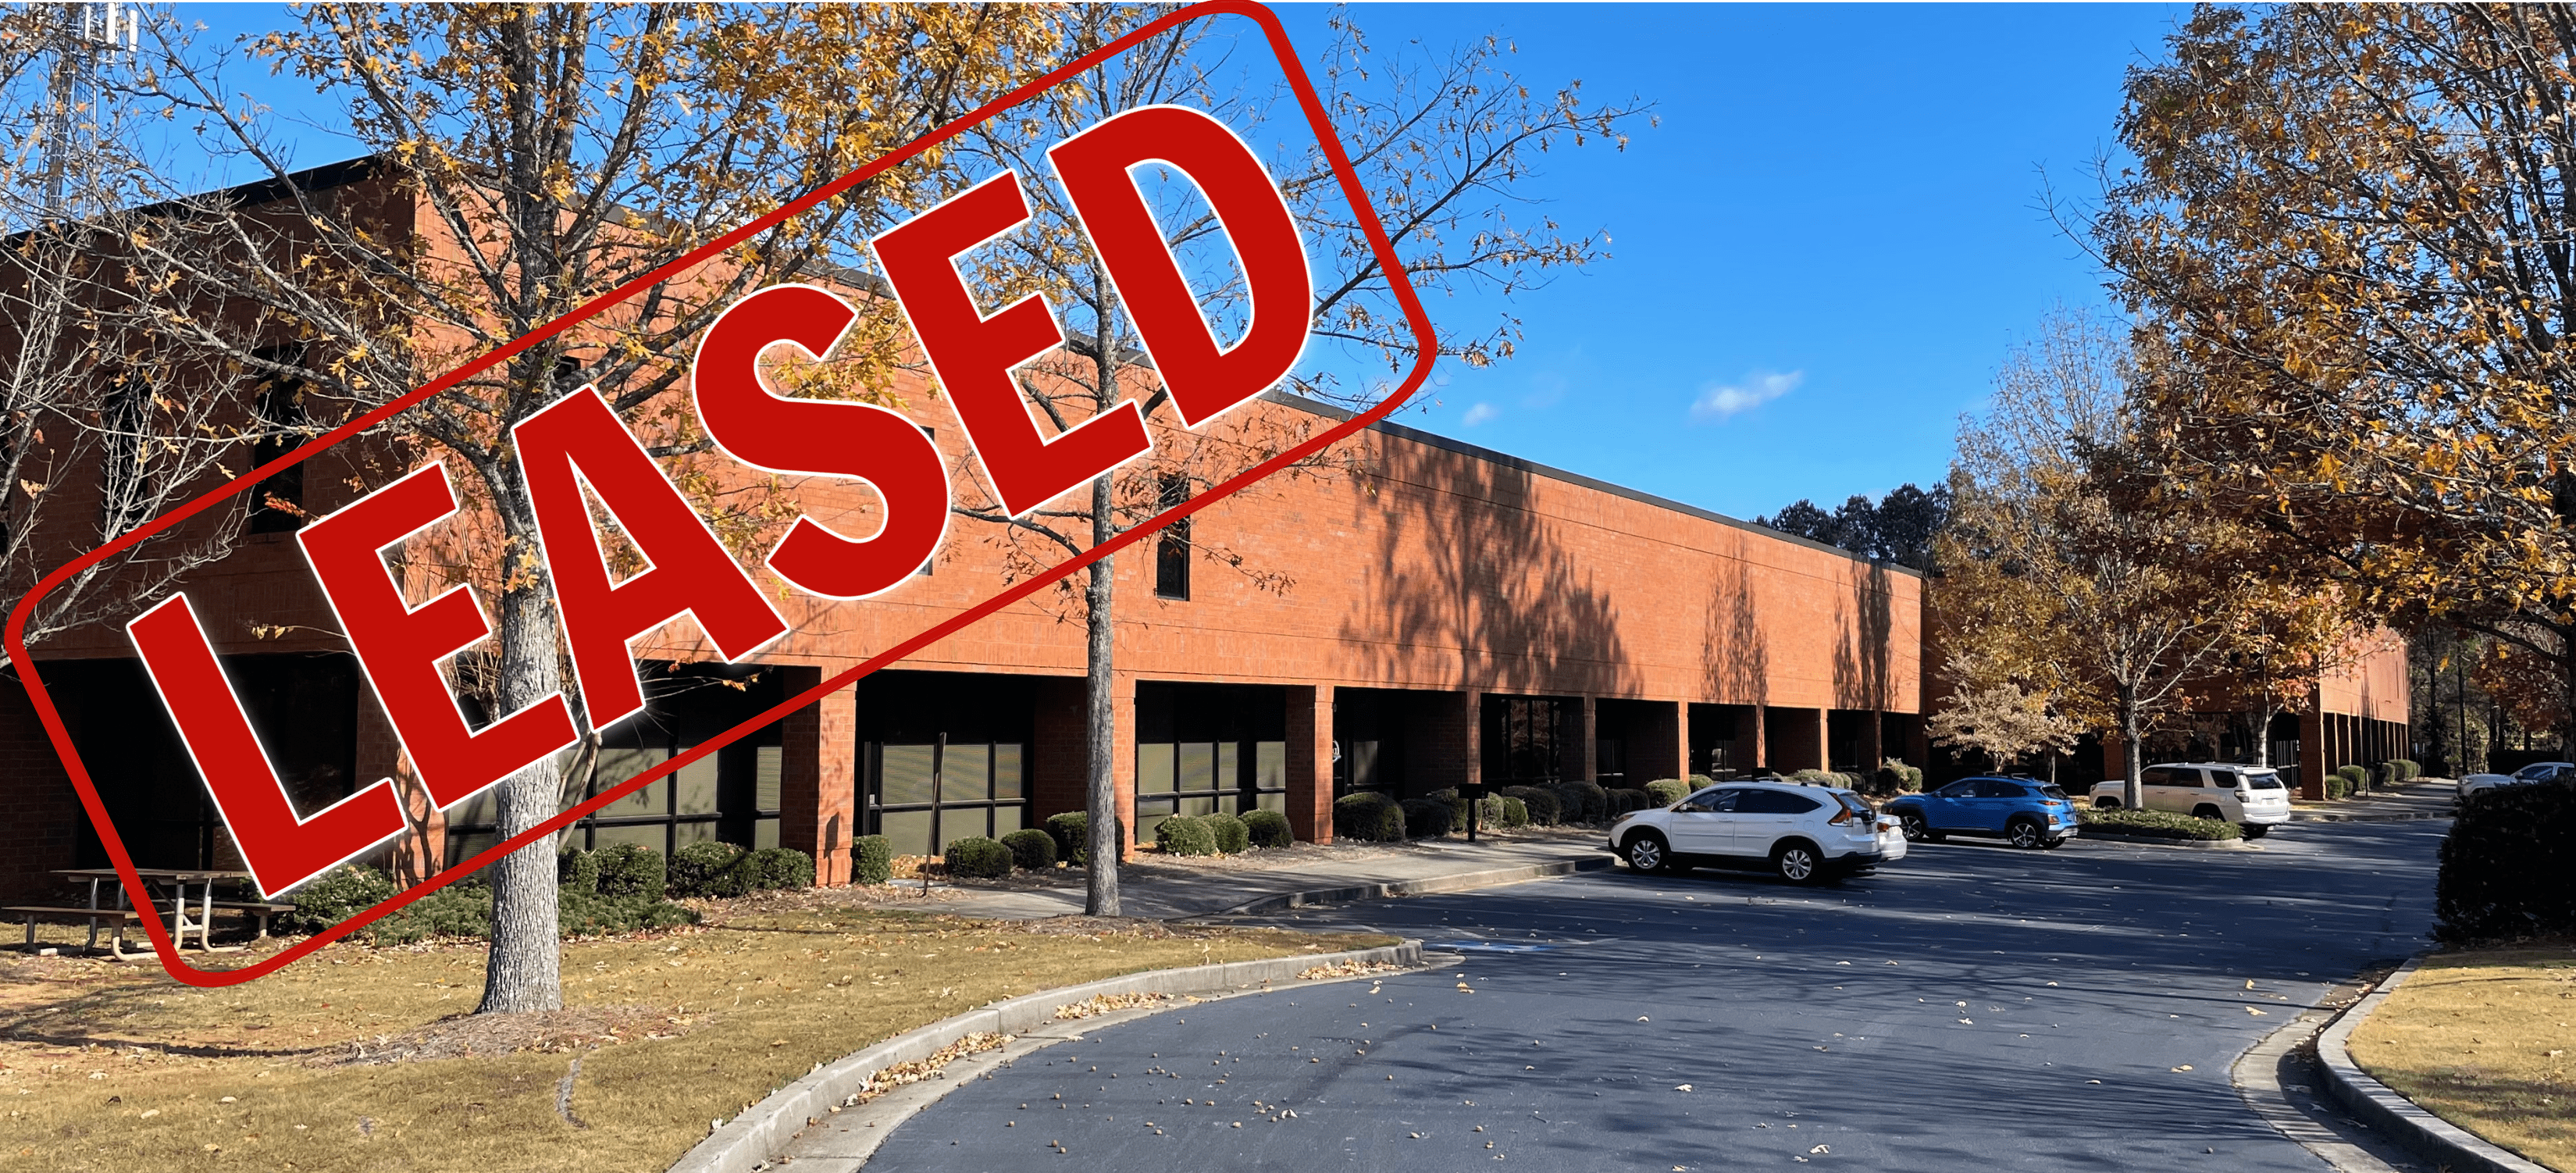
(1818, 258)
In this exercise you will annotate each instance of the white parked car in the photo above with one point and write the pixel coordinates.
(2250, 796)
(2535, 772)
(1805, 834)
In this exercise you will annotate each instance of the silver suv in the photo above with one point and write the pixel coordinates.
(2250, 796)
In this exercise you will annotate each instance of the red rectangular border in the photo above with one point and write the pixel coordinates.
(1318, 121)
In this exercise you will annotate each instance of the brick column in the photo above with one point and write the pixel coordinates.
(1310, 762)
(2314, 759)
(1580, 761)
(1056, 773)
(818, 778)
(1760, 758)
(1122, 756)
(1824, 739)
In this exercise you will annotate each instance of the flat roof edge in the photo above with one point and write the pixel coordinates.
(1507, 460)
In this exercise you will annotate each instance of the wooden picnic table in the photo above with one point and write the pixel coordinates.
(183, 886)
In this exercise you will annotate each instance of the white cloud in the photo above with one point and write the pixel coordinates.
(1480, 413)
(1719, 402)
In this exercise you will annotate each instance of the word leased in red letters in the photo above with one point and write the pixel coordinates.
(578, 441)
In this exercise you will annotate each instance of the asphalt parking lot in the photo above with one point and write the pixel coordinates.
(1971, 1008)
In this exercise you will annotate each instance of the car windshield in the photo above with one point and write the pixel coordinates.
(2537, 770)
(2262, 780)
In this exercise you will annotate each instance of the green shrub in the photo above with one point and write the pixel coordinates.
(1588, 800)
(2407, 769)
(337, 896)
(1072, 831)
(628, 869)
(1032, 850)
(1425, 818)
(458, 910)
(577, 870)
(2338, 786)
(1626, 800)
(773, 869)
(1368, 817)
(588, 914)
(977, 857)
(2150, 824)
(1232, 837)
(1268, 829)
(709, 868)
(1695, 782)
(1505, 810)
(2509, 867)
(2354, 777)
(872, 859)
(1811, 777)
(1544, 809)
(1186, 835)
(1667, 791)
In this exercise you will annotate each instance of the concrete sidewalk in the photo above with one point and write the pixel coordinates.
(1153, 887)
(2427, 798)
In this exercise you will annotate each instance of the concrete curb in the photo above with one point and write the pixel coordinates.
(2437, 1140)
(2085, 833)
(763, 1131)
(2328, 817)
(1460, 882)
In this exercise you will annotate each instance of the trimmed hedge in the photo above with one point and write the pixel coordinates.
(977, 857)
(464, 909)
(2354, 777)
(1667, 791)
(709, 868)
(872, 859)
(628, 869)
(1368, 817)
(1032, 850)
(1627, 800)
(2150, 824)
(1544, 809)
(2509, 867)
(1072, 831)
(1504, 810)
(577, 870)
(2338, 785)
(1186, 835)
(1268, 829)
(1232, 836)
(777, 868)
(337, 896)
(1425, 818)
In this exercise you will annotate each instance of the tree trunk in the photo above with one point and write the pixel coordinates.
(2133, 792)
(1100, 723)
(524, 970)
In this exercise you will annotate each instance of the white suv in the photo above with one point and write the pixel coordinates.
(2250, 796)
(1806, 834)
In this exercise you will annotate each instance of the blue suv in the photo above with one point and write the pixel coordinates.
(2023, 812)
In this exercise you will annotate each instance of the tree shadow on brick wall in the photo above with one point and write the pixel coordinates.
(1864, 622)
(1736, 655)
(1468, 567)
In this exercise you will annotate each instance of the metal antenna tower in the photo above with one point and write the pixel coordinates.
(86, 37)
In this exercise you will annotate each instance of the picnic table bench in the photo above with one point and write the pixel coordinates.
(190, 905)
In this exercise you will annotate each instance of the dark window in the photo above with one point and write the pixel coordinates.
(2160, 776)
(1993, 788)
(1775, 802)
(124, 462)
(1958, 790)
(277, 505)
(2264, 781)
(1714, 800)
(1172, 547)
(1207, 749)
(2052, 792)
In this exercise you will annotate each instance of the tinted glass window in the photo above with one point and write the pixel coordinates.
(1715, 800)
(2156, 776)
(1775, 802)
(2264, 781)
(1996, 788)
(1958, 790)
(2052, 792)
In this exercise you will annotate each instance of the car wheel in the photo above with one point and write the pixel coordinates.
(2023, 833)
(2207, 811)
(1916, 830)
(2052, 844)
(1799, 863)
(2256, 830)
(1648, 853)
(2106, 804)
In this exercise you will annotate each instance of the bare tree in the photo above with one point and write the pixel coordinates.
(1442, 145)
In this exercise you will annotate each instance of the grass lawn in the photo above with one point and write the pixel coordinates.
(116, 1067)
(2483, 1038)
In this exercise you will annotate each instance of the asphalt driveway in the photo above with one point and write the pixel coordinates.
(1972, 1008)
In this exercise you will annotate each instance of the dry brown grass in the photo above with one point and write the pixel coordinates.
(2483, 1038)
(117, 1067)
